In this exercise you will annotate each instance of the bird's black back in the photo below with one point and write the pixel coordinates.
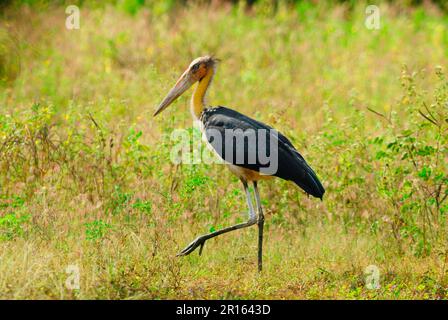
(291, 165)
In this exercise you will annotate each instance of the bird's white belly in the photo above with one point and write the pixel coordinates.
(246, 174)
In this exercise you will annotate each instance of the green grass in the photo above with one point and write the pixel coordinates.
(86, 177)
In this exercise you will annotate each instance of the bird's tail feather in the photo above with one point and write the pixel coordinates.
(311, 184)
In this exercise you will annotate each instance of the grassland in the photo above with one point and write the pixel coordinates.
(86, 177)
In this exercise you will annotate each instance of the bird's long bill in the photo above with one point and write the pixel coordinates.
(180, 87)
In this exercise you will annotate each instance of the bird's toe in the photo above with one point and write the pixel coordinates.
(192, 246)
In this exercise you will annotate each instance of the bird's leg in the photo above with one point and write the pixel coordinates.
(200, 241)
(260, 227)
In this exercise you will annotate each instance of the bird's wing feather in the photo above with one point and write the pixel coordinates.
(291, 165)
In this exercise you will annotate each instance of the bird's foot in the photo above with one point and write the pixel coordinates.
(198, 242)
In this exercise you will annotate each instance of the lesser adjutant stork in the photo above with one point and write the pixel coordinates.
(290, 164)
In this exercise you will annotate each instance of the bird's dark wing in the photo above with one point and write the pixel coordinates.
(248, 143)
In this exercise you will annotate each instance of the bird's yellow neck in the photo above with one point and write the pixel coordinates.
(198, 98)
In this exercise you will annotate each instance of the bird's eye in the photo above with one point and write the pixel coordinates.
(195, 67)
